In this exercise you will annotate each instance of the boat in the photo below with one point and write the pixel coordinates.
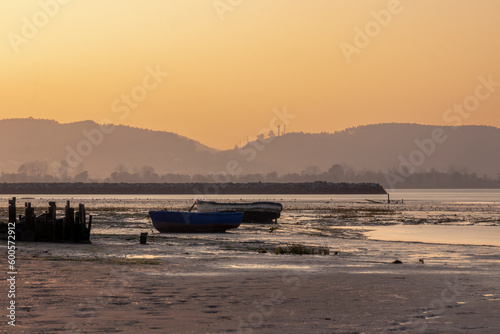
(254, 212)
(182, 222)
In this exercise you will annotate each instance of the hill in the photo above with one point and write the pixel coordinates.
(378, 148)
(99, 150)
(87, 146)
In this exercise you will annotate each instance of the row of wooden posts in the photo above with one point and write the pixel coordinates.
(46, 227)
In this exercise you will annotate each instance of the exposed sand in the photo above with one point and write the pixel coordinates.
(219, 283)
(251, 293)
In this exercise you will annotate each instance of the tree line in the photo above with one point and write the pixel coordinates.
(39, 171)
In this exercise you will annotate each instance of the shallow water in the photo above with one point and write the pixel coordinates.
(347, 224)
(447, 195)
(458, 235)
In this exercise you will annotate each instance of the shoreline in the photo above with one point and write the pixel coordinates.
(251, 293)
(464, 235)
(200, 189)
(226, 283)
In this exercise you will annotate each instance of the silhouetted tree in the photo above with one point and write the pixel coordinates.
(311, 170)
(336, 173)
(34, 168)
(273, 177)
(148, 174)
(82, 177)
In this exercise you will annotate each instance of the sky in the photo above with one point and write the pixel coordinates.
(219, 71)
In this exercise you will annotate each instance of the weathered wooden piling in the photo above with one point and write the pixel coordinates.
(12, 210)
(80, 224)
(76, 227)
(70, 223)
(90, 225)
(46, 227)
(52, 221)
(29, 217)
(52, 210)
(81, 210)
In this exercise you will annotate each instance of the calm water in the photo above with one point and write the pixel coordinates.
(448, 195)
(436, 195)
(432, 216)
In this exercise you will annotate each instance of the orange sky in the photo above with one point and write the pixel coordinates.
(227, 75)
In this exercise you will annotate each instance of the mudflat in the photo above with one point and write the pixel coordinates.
(284, 294)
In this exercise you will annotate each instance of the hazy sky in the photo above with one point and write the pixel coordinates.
(230, 65)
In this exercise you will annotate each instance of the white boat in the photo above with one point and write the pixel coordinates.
(254, 212)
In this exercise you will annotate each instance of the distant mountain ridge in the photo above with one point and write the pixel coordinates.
(24, 140)
(380, 147)
(377, 147)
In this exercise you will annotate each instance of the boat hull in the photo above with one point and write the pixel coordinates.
(194, 222)
(256, 212)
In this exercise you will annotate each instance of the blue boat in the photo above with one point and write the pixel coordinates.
(182, 222)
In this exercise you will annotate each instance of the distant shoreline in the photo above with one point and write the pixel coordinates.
(253, 188)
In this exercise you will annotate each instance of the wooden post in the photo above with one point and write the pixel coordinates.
(28, 233)
(143, 238)
(76, 227)
(69, 234)
(72, 228)
(388, 199)
(64, 226)
(28, 216)
(80, 223)
(52, 211)
(46, 227)
(89, 228)
(52, 221)
(81, 209)
(12, 210)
